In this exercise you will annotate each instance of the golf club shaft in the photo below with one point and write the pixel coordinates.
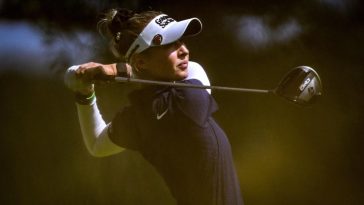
(184, 85)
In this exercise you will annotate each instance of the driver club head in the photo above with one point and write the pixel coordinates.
(302, 85)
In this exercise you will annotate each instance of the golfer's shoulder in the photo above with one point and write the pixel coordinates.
(197, 104)
(193, 95)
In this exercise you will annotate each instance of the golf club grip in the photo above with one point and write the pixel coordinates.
(184, 85)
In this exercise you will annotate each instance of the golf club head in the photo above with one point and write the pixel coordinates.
(301, 85)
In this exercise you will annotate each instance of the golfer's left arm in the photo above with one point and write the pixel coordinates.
(95, 131)
(93, 127)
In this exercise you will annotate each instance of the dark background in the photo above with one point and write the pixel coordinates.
(284, 154)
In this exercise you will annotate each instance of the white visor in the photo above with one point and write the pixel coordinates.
(163, 30)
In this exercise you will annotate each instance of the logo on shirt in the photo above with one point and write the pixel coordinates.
(163, 21)
(159, 116)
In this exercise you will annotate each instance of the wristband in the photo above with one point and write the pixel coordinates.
(122, 70)
(85, 99)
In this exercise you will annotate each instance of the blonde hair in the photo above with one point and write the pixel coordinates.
(122, 27)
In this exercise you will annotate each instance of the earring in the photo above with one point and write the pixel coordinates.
(118, 35)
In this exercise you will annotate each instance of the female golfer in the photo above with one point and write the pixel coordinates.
(171, 127)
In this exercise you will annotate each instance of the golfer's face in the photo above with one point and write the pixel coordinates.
(168, 62)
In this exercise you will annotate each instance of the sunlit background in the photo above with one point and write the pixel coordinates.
(284, 154)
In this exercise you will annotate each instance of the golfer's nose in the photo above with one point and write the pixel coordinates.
(182, 49)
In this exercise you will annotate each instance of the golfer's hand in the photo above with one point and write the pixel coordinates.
(94, 72)
(80, 78)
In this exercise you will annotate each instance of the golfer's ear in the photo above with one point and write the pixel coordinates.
(139, 62)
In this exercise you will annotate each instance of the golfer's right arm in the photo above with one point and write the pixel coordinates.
(93, 127)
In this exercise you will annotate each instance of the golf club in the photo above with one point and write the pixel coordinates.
(301, 85)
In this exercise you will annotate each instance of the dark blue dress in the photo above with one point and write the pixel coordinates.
(173, 129)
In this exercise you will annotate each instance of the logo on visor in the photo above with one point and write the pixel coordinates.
(157, 40)
(163, 21)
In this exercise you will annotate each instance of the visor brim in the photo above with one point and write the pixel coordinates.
(188, 27)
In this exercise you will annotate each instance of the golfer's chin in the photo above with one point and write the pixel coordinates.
(181, 75)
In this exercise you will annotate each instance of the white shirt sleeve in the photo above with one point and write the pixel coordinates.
(196, 71)
(95, 131)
